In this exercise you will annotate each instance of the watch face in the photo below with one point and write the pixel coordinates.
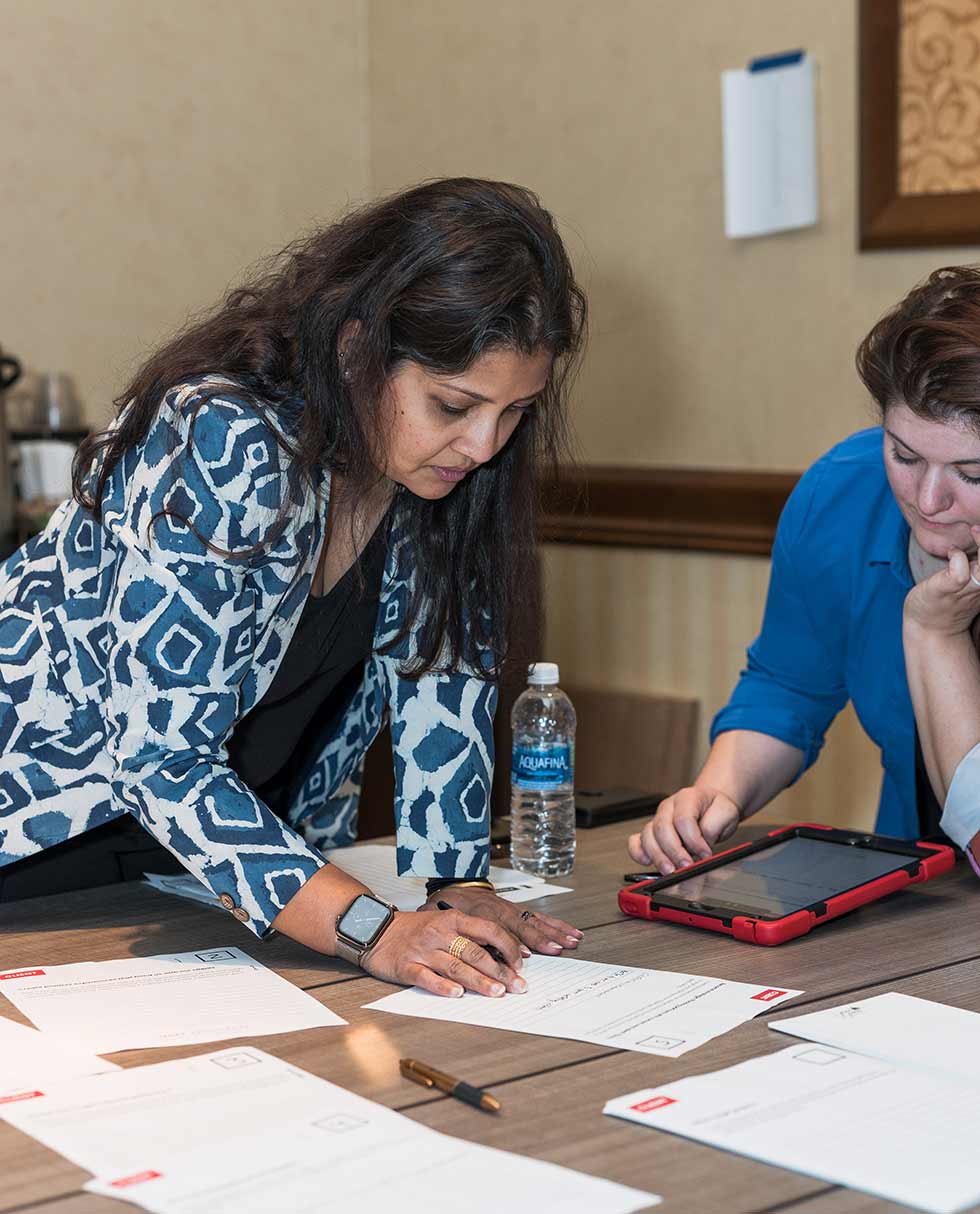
(363, 918)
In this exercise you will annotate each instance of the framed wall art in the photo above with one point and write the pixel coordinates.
(919, 63)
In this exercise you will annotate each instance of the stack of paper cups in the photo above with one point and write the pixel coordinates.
(45, 469)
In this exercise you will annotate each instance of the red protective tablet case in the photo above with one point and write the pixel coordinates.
(935, 858)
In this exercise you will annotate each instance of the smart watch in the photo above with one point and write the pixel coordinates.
(360, 927)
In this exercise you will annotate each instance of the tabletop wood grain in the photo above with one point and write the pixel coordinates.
(922, 941)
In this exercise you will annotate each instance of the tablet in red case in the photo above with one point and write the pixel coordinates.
(787, 883)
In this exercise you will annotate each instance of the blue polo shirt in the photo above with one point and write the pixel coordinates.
(832, 629)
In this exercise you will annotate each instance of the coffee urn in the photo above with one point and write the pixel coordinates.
(10, 371)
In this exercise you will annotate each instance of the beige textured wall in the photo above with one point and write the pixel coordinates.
(151, 151)
(678, 623)
(704, 351)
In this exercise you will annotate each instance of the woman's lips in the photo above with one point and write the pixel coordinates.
(917, 517)
(937, 526)
(449, 474)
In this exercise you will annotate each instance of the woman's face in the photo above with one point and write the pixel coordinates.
(442, 427)
(934, 471)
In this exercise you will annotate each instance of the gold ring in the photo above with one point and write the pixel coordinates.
(458, 944)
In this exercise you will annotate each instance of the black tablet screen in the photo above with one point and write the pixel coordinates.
(786, 877)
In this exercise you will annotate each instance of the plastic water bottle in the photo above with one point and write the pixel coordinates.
(542, 800)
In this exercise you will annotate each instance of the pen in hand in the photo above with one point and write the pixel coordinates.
(495, 953)
(429, 1077)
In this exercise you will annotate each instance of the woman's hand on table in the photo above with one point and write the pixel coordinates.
(414, 951)
(947, 603)
(537, 933)
(685, 828)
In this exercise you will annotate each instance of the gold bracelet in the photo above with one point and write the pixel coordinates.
(479, 882)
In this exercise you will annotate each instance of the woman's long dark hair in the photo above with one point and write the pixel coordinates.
(437, 275)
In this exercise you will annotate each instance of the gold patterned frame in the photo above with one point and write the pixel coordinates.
(920, 123)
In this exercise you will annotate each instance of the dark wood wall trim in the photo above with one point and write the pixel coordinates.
(704, 509)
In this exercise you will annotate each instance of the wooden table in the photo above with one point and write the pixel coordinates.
(923, 941)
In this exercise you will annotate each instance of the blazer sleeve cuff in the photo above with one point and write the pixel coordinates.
(255, 901)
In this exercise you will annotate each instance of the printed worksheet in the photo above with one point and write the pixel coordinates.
(653, 1011)
(898, 1028)
(172, 999)
(898, 1132)
(360, 1166)
(240, 1131)
(29, 1060)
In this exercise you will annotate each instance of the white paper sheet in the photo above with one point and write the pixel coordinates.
(145, 1117)
(171, 999)
(653, 1011)
(374, 865)
(897, 1132)
(30, 1060)
(367, 1167)
(240, 1131)
(769, 134)
(183, 885)
(900, 1029)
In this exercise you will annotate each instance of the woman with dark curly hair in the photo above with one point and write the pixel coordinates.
(877, 536)
(314, 511)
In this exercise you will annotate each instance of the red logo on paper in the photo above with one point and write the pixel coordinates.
(769, 995)
(137, 1178)
(655, 1102)
(19, 1096)
(21, 974)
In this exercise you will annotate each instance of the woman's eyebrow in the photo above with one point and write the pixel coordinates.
(954, 463)
(488, 400)
(892, 434)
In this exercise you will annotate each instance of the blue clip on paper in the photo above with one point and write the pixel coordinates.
(767, 62)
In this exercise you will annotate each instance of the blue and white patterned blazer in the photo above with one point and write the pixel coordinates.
(129, 651)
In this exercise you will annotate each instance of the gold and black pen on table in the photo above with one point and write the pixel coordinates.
(428, 1077)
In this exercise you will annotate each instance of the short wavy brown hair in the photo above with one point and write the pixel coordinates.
(925, 352)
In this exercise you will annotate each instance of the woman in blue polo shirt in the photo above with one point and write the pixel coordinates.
(873, 517)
